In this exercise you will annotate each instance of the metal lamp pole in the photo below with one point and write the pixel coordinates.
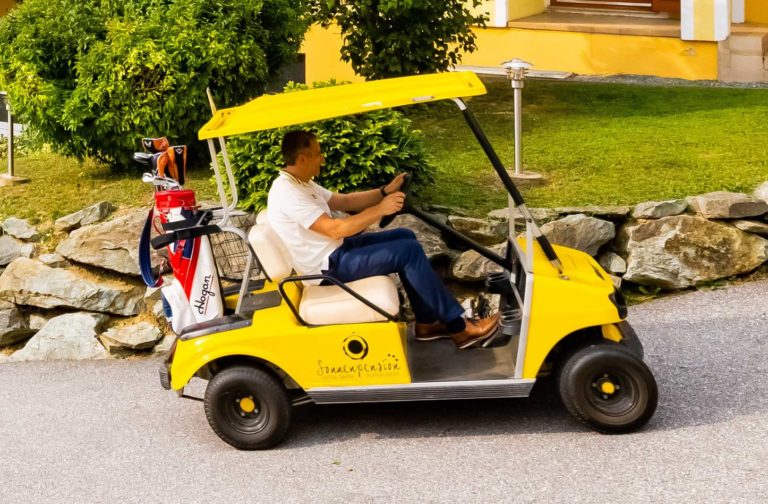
(516, 69)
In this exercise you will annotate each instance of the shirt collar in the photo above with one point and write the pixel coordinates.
(295, 180)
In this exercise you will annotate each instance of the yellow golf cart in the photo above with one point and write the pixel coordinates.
(281, 343)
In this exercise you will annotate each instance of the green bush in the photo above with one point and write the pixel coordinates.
(24, 144)
(361, 152)
(389, 38)
(93, 76)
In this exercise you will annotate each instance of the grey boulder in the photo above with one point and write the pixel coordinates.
(580, 232)
(28, 282)
(21, 229)
(67, 337)
(112, 245)
(727, 205)
(119, 341)
(683, 251)
(659, 209)
(13, 326)
(11, 249)
(485, 232)
(472, 267)
(86, 216)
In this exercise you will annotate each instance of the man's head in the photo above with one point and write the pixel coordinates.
(301, 152)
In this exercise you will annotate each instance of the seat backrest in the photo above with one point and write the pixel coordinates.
(272, 252)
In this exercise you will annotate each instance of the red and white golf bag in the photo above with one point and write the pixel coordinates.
(194, 295)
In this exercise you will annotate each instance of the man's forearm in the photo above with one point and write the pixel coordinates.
(348, 226)
(359, 201)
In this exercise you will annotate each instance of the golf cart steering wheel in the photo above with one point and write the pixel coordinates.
(405, 189)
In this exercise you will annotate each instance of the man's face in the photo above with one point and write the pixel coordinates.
(313, 158)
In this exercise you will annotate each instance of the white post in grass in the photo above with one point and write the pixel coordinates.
(10, 178)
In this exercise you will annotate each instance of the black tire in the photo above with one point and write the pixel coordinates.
(608, 388)
(229, 398)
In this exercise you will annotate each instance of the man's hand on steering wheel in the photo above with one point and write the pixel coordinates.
(397, 205)
(396, 183)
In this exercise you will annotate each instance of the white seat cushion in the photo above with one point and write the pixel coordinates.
(329, 304)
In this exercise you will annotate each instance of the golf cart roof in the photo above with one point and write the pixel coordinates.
(298, 107)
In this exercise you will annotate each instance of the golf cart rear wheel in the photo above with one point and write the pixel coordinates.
(608, 388)
(247, 408)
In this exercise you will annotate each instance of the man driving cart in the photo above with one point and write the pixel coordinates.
(299, 211)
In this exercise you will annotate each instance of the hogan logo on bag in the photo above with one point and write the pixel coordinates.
(201, 303)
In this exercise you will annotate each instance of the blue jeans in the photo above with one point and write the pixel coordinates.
(397, 251)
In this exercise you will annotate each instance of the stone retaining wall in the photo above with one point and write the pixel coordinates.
(87, 301)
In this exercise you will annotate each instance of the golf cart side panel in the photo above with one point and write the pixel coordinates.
(325, 356)
(586, 290)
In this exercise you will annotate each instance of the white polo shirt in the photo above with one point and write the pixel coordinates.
(292, 207)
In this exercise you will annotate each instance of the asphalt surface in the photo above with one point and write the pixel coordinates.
(105, 432)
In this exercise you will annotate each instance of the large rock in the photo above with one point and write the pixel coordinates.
(21, 229)
(682, 251)
(613, 263)
(756, 227)
(483, 231)
(11, 249)
(611, 213)
(13, 326)
(430, 239)
(580, 232)
(86, 216)
(659, 209)
(761, 192)
(28, 282)
(67, 337)
(54, 261)
(119, 341)
(471, 266)
(727, 205)
(111, 245)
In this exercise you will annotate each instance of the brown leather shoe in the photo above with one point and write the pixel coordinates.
(431, 331)
(476, 331)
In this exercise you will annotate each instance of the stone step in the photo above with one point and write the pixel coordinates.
(743, 57)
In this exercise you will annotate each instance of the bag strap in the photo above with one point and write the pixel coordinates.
(145, 260)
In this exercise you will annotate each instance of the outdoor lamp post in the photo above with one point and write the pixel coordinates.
(516, 70)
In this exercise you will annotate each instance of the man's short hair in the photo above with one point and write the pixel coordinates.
(294, 142)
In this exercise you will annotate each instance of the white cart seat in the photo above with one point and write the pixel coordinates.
(324, 305)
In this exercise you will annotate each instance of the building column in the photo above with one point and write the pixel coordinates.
(705, 20)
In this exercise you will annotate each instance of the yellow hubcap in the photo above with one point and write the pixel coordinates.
(607, 387)
(247, 405)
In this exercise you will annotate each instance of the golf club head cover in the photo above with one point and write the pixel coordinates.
(155, 145)
(160, 162)
(178, 155)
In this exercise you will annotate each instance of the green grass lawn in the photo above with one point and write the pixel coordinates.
(602, 144)
(596, 143)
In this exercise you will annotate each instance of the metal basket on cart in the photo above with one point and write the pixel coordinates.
(231, 251)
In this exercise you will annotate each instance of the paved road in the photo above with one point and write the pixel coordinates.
(105, 432)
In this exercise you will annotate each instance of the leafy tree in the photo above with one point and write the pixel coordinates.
(388, 38)
(361, 151)
(93, 76)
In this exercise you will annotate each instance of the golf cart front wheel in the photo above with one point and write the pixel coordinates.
(247, 408)
(608, 388)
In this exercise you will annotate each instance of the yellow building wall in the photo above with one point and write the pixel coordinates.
(591, 53)
(517, 9)
(6, 5)
(583, 53)
(756, 11)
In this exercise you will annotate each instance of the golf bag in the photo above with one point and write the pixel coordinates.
(194, 295)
